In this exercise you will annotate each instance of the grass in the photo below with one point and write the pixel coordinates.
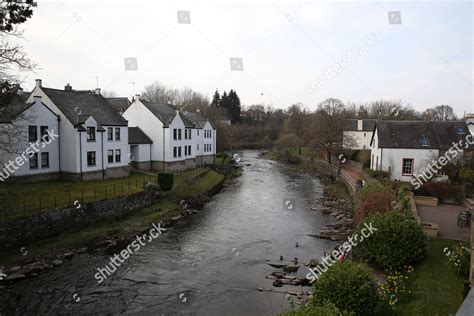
(17, 200)
(437, 288)
(187, 184)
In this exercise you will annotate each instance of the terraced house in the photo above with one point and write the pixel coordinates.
(180, 140)
(93, 138)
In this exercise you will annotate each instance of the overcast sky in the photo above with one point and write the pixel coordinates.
(291, 51)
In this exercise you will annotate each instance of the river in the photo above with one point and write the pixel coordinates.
(210, 263)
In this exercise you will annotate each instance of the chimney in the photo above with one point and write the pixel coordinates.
(359, 125)
(37, 98)
(38, 83)
(67, 87)
(198, 110)
(137, 96)
(19, 91)
(97, 91)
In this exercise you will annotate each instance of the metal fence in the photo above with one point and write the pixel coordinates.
(18, 206)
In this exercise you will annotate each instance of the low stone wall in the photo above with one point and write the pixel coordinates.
(20, 232)
(426, 200)
(430, 229)
(44, 177)
(471, 275)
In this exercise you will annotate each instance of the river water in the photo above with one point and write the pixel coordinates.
(210, 263)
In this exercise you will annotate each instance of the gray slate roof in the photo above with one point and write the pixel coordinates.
(418, 134)
(137, 136)
(119, 104)
(197, 119)
(72, 103)
(165, 113)
(367, 125)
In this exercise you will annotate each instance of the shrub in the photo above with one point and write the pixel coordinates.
(398, 241)
(442, 190)
(349, 286)
(466, 175)
(166, 181)
(310, 309)
(354, 155)
(373, 198)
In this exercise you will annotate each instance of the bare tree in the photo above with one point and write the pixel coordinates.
(108, 93)
(185, 98)
(442, 113)
(390, 110)
(327, 126)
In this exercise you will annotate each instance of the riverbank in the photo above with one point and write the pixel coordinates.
(186, 199)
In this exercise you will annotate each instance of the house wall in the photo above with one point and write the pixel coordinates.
(37, 115)
(139, 115)
(357, 140)
(68, 134)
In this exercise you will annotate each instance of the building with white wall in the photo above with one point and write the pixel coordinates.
(358, 133)
(179, 140)
(28, 147)
(405, 148)
(93, 141)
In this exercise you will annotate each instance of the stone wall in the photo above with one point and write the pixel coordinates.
(53, 176)
(20, 232)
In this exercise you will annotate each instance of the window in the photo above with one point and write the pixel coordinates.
(210, 147)
(117, 133)
(365, 134)
(179, 134)
(175, 150)
(118, 155)
(175, 134)
(110, 156)
(44, 160)
(198, 132)
(91, 158)
(91, 134)
(34, 162)
(110, 133)
(198, 147)
(189, 150)
(32, 134)
(460, 130)
(186, 149)
(44, 133)
(424, 141)
(407, 167)
(179, 151)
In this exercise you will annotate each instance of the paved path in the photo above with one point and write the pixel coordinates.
(446, 216)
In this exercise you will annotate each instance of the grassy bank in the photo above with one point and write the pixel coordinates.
(187, 185)
(17, 200)
(437, 288)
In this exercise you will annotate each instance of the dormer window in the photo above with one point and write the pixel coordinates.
(424, 141)
(460, 130)
(91, 134)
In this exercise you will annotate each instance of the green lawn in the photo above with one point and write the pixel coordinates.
(18, 200)
(437, 288)
(187, 184)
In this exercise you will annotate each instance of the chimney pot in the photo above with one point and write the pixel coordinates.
(137, 96)
(38, 83)
(67, 87)
(97, 91)
(19, 91)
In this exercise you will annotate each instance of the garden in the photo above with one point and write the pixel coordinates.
(396, 271)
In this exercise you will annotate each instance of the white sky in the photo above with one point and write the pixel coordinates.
(427, 60)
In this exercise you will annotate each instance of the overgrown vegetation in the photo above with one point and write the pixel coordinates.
(398, 241)
(443, 191)
(166, 181)
(373, 198)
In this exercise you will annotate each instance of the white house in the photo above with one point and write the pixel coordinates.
(180, 141)
(469, 118)
(93, 141)
(405, 148)
(357, 134)
(29, 149)
(140, 148)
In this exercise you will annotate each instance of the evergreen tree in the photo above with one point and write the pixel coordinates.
(234, 107)
(216, 99)
(224, 103)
